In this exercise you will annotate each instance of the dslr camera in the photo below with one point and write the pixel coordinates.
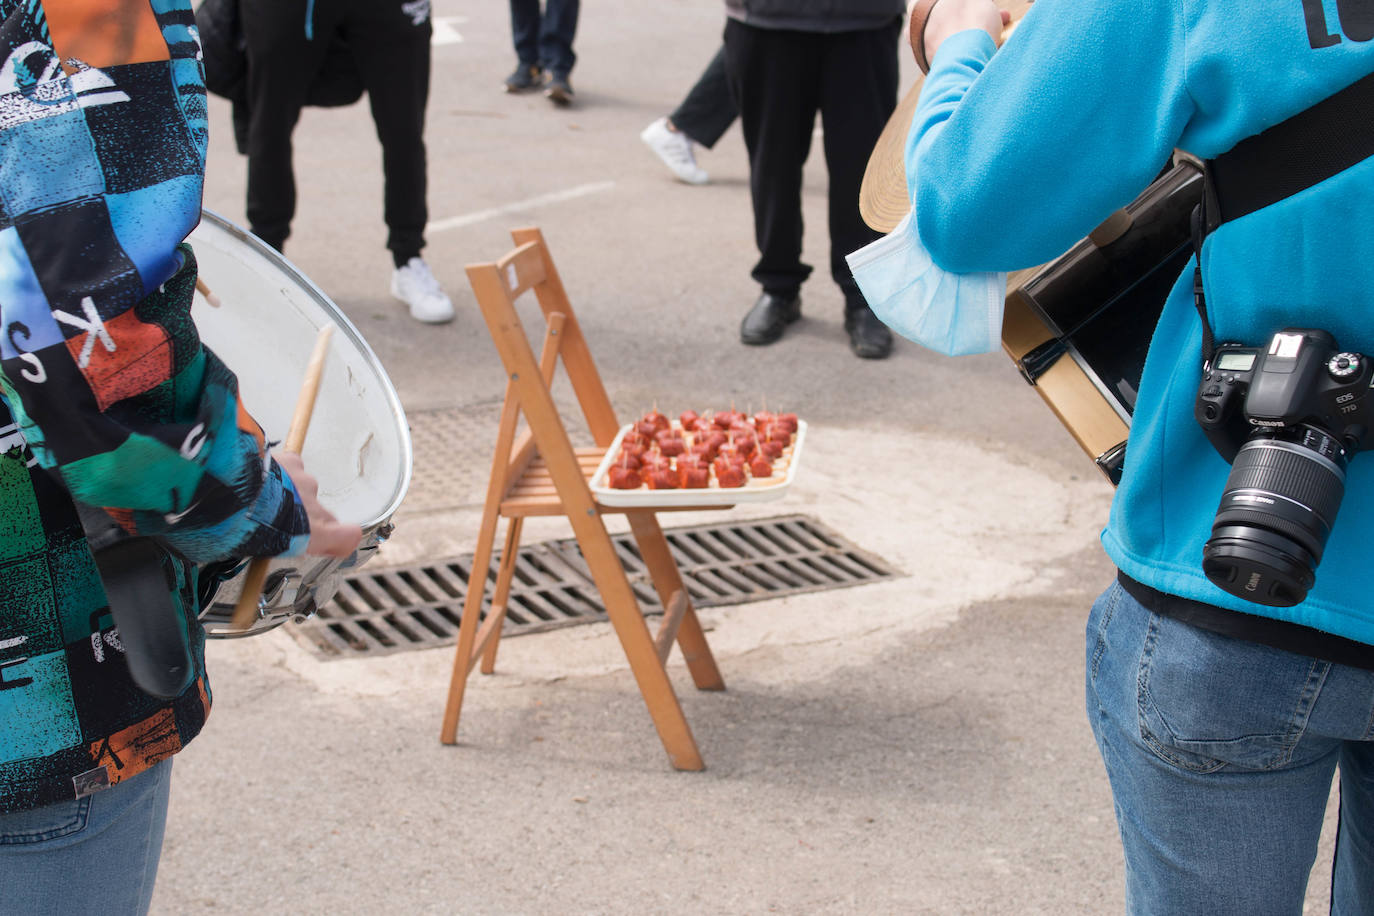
(1288, 417)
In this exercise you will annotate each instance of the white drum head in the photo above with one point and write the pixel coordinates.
(358, 445)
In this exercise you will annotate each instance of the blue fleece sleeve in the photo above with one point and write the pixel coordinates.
(1015, 154)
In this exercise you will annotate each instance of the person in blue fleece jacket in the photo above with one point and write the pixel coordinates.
(1220, 721)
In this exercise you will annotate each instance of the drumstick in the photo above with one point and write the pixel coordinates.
(205, 291)
(247, 608)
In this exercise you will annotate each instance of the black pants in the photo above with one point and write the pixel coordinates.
(392, 54)
(780, 80)
(709, 109)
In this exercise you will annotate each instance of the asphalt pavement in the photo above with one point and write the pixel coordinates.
(917, 745)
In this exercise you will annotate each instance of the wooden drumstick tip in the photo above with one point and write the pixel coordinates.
(250, 596)
(305, 402)
(204, 290)
(246, 610)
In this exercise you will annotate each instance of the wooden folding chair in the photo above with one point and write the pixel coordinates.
(540, 473)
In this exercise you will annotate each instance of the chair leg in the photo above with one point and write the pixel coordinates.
(467, 633)
(637, 644)
(500, 597)
(667, 579)
(653, 682)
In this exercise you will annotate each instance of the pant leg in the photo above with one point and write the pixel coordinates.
(1352, 880)
(773, 77)
(95, 855)
(858, 95)
(556, 36)
(708, 109)
(1220, 754)
(393, 55)
(524, 28)
(281, 65)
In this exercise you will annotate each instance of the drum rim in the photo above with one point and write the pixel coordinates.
(350, 330)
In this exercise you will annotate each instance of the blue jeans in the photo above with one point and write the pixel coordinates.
(545, 40)
(95, 855)
(1220, 754)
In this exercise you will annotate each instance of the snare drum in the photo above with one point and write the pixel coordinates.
(358, 445)
(1079, 327)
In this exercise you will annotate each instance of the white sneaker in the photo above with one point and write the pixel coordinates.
(414, 284)
(675, 150)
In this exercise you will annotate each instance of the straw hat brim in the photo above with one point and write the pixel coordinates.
(883, 197)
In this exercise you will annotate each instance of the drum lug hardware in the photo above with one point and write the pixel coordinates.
(384, 532)
(291, 588)
(305, 613)
(274, 588)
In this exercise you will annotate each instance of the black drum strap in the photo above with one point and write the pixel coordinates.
(1293, 155)
(152, 628)
(1289, 157)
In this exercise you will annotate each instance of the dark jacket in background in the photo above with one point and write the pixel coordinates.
(226, 66)
(816, 15)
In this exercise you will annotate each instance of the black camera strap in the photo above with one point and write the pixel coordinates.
(1293, 155)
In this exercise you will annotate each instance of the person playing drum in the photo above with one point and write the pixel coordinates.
(1220, 719)
(110, 401)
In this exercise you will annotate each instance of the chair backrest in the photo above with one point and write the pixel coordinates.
(496, 285)
(530, 267)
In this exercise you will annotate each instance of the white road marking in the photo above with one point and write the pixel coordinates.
(456, 222)
(445, 32)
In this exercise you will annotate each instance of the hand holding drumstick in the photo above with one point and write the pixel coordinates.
(328, 536)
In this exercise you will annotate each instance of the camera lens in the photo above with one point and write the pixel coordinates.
(1276, 513)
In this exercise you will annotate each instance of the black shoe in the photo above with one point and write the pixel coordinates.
(765, 321)
(869, 338)
(525, 78)
(559, 90)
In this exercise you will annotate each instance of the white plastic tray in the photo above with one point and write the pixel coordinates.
(714, 495)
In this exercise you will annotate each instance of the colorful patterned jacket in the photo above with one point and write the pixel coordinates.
(108, 395)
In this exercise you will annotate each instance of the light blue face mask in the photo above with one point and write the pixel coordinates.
(953, 314)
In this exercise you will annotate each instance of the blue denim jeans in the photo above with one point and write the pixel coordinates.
(95, 855)
(1220, 754)
(545, 39)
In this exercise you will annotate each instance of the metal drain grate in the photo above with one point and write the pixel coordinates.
(420, 606)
